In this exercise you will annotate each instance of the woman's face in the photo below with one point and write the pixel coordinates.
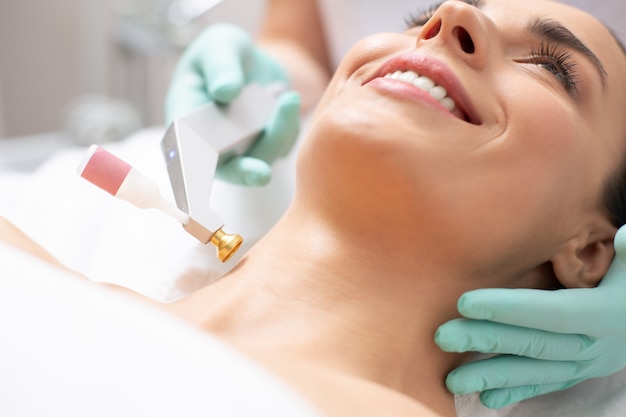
(538, 95)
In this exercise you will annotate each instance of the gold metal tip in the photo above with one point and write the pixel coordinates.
(226, 244)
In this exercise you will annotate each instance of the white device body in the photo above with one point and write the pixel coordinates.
(195, 144)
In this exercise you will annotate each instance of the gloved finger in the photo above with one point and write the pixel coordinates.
(220, 54)
(281, 130)
(561, 311)
(264, 69)
(465, 335)
(244, 170)
(509, 371)
(187, 92)
(619, 243)
(210, 69)
(498, 398)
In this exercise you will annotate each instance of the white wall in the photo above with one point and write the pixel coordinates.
(2, 128)
(53, 51)
(39, 63)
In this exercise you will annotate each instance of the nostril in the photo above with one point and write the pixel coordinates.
(434, 31)
(465, 40)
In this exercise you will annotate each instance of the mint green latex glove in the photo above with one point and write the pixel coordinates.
(215, 67)
(550, 340)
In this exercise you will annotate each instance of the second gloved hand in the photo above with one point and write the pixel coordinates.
(214, 68)
(549, 340)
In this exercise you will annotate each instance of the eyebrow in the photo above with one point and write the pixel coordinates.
(553, 31)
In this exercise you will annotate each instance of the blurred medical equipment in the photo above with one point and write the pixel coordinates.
(99, 119)
(87, 119)
(149, 36)
(182, 12)
(193, 147)
(151, 25)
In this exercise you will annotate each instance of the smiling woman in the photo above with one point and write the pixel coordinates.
(431, 168)
(492, 139)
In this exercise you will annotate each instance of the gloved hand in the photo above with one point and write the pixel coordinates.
(215, 67)
(559, 338)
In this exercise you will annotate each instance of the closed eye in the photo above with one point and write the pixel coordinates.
(558, 61)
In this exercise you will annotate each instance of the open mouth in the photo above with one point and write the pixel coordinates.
(436, 91)
(434, 78)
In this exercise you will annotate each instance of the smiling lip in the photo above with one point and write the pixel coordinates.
(437, 71)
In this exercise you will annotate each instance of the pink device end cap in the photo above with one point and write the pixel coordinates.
(104, 169)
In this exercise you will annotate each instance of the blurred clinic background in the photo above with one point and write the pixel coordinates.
(89, 71)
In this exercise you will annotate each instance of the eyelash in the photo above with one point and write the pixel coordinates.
(421, 17)
(561, 59)
(546, 54)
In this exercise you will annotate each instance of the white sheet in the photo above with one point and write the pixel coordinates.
(73, 349)
(90, 231)
(109, 240)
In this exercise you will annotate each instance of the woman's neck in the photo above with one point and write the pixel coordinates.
(313, 294)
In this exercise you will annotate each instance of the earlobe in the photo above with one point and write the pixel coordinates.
(583, 263)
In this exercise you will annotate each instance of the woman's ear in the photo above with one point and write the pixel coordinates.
(583, 261)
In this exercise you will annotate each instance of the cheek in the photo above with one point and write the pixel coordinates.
(365, 56)
(370, 48)
(545, 162)
(546, 132)
(352, 143)
(520, 192)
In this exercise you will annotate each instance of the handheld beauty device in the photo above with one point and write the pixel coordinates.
(193, 147)
(121, 180)
(108, 172)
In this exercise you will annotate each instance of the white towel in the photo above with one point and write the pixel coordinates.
(73, 349)
(109, 240)
(104, 238)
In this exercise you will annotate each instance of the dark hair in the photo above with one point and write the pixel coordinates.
(615, 187)
(615, 195)
(617, 39)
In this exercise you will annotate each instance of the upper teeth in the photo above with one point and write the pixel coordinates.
(426, 84)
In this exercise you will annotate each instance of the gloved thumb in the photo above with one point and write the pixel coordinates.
(244, 170)
(281, 130)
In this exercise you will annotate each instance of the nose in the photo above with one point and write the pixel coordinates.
(461, 28)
